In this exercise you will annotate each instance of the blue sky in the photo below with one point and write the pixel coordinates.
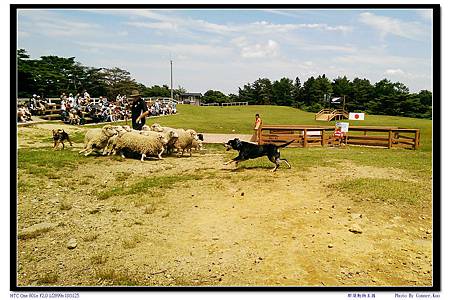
(225, 49)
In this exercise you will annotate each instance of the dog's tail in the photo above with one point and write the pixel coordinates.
(285, 144)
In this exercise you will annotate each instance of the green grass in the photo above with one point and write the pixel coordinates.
(48, 278)
(392, 191)
(47, 162)
(116, 277)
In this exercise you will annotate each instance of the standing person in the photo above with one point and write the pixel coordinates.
(258, 124)
(139, 110)
(86, 97)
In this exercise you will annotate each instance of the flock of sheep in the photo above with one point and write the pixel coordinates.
(151, 141)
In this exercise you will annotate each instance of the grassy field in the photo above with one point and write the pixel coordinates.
(192, 221)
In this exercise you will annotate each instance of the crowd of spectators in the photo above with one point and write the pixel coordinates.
(82, 106)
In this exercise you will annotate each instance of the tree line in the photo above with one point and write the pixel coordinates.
(49, 76)
(382, 98)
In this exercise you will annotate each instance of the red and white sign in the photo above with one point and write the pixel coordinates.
(356, 116)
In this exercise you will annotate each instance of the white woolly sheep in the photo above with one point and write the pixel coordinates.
(97, 138)
(185, 140)
(171, 135)
(145, 145)
(171, 143)
(196, 145)
(111, 145)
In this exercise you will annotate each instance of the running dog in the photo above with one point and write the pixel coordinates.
(59, 136)
(248, 151)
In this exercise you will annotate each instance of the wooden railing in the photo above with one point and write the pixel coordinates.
(235, 104)
(306, 136)
(224, 104)
(332, 114)
(323, 112)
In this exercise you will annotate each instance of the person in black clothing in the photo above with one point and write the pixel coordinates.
(139, 110)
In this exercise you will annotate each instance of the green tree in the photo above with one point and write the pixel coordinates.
(342, 87)
(283, 92)
(297, 93)
(118, 81)
(25, 79)
(212, 96)
(321, 86)
(362, 92)
(246, 94)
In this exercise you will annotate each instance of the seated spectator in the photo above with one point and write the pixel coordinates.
(86, 97)
(23, 114)
(71, 101)
(40, 106)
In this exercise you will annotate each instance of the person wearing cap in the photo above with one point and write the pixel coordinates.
(139, 110)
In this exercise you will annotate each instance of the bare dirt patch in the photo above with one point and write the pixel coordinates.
(192, 221)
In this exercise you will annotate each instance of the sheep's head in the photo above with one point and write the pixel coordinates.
(120, 130)
(192, 133)
(127, 128)
(162, 139)
(172, 134)
(156, 127)
(109, 130)
(146, 128)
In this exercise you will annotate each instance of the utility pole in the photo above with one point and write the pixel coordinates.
(171, 80)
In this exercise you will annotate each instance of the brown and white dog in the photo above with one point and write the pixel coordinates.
(59, 136)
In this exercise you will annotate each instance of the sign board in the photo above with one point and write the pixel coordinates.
(343, 126)
(356, 116)
(312, 133)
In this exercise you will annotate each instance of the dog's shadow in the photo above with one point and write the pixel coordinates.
(242, 169)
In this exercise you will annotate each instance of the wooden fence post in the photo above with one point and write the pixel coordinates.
(416, 139)
(390, 139)
(259, 135)
(323, 137)
(305, 138)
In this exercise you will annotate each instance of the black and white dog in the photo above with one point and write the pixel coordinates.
(248, 151)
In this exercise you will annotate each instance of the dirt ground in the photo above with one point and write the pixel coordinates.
(228, 227)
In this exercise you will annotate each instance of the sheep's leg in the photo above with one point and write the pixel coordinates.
(84, 150)
(143, 157)
(160, 153)
(89, 152)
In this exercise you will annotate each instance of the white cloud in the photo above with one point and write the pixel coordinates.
(50, 24)
(181, 51)
(270, 49)
(386, 25)
(334, 48)
(154, 25)
(394, 72)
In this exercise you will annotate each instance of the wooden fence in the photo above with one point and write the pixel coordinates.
(306, 136)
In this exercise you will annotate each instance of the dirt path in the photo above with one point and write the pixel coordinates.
(217, 225)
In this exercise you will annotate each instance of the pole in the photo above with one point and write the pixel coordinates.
(171, 80)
